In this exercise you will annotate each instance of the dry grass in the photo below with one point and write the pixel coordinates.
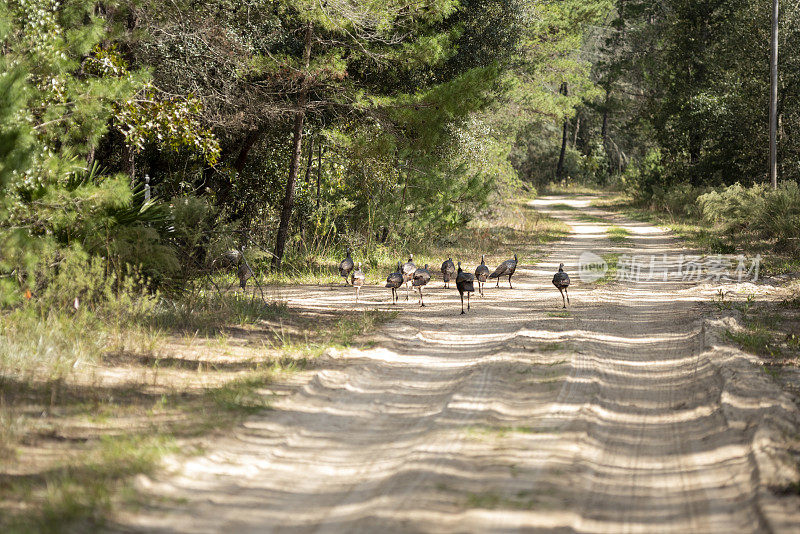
(85, 405)
(769, 327)
(770, 323)
(704, 237)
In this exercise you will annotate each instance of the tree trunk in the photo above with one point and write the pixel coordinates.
(319, 170)
(604, 129)
(575, 133)
(310, 158)
(247, 145)
(773, 100)
(565, 134)
(297, 143)
(130, 164)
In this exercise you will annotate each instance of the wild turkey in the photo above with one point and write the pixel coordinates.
(448, 271)
(421, 277)
(407, 271)
(346, 266)
(506, 268)
(236, 258)
(244, 272)
(357, 279)
(481, 274)
(561, 281)
(394, 281)
(464, 284)
(231, 257)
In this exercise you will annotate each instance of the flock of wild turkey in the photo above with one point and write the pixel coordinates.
(418, 277)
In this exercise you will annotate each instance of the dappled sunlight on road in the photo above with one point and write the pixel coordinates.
(614, 415)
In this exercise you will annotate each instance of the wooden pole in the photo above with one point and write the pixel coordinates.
(773, 100)
(565, 133)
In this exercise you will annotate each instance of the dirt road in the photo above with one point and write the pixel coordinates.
(625, 414)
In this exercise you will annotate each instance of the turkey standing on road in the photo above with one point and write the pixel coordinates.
(481, 274)
(408, 270)
(346, 266)
(357, 279)
(464, 285)
(394, 281)
(421, 277)
(506, 268)
(448, 271)
(561, 281)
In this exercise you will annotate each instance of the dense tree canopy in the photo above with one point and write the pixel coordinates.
(686, 89)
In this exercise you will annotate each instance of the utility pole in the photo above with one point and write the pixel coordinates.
(560, 167)
(773, 100)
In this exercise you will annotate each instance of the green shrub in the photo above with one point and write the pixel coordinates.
(643, 175)
(770, 214)
(779, 216)
(679, 200)
(200, 238)
(589, 168)
(732, 208)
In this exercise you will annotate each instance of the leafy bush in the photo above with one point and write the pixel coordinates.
(678, 200)
(199, 236)
(732, 208)
(779, 216)
(642, 176)
(653, 184)
(70, 273)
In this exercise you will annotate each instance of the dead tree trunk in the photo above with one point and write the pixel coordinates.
(297, 144)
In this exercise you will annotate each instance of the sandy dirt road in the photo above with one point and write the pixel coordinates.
(626, 414)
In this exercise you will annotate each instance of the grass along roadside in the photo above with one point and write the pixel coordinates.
(562, 207)
(702, 236)
(587, 217)
(570, 189)
(85, 405)
(693, 231)
(769, 328)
